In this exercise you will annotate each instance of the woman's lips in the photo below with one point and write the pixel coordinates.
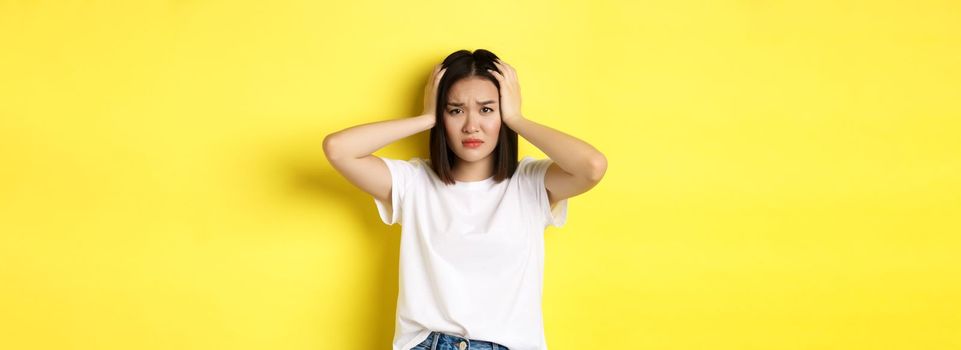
(472, 144)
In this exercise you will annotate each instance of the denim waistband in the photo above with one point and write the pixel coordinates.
(449, 341)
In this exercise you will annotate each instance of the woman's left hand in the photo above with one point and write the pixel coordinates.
(510, 91)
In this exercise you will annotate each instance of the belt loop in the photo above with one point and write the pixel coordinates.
(434, 342)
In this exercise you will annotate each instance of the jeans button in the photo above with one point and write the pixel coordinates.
(462, 345)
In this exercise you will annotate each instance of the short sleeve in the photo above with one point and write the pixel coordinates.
(402, 174)
(534, 172)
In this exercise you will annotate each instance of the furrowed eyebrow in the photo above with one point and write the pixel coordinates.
(458, 104)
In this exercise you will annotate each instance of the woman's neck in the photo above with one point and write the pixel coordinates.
(473, 171)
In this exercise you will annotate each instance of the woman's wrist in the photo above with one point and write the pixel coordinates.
(429, 120)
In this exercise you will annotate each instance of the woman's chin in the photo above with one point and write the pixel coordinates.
(473, 155)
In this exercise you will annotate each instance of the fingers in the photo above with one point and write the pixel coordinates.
(437, 73)
(437, 69)
(440, 73)
(506, 73)
(504, 67)
(497, 75)
(435, 77)
(431, 87)
(436, 82)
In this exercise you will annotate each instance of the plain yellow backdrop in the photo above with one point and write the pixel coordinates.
(781, 175)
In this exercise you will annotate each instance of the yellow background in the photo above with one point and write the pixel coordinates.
(781, 176)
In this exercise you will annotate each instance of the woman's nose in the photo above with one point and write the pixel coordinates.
(471, 124)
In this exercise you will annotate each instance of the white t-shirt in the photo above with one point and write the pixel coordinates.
(471, 254)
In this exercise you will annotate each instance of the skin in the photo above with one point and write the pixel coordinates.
(576, 165)
(472, 111)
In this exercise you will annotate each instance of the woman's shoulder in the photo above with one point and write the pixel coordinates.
(529, 165)
(405, 167)
(413, 161)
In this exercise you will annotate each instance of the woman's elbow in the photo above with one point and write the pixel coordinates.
(330, 146)
(598, 167)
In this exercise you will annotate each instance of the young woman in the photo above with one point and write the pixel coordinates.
(472, 216)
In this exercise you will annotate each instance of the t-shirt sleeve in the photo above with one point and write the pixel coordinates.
(402, 175)
(534, 173)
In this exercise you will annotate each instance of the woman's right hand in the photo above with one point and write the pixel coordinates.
(430, 90)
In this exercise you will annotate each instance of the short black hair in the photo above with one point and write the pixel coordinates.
(463, 64)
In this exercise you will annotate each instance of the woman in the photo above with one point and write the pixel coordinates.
(472, 216)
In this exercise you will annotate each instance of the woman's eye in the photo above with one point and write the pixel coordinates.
(457, 111)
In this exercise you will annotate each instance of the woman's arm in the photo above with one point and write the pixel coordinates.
(362, 140)
(572, 155)
(577, 167)
(349, 150)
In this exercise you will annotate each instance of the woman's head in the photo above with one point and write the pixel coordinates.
(468, 108)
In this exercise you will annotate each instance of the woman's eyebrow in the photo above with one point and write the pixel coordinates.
(458, 104)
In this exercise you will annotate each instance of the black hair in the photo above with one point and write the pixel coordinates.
(463, 64)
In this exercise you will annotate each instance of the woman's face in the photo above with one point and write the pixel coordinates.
(472, 112)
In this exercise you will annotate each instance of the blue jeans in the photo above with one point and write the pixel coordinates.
(442, 341)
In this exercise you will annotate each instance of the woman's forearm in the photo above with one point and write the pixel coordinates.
(362, 140)
(570, 153)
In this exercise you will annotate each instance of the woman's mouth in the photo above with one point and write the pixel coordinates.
(473, 143)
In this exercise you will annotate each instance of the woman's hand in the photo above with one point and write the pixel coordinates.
(510, 91)
(430, 90)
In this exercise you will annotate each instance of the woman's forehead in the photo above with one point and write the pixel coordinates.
(477, 88)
